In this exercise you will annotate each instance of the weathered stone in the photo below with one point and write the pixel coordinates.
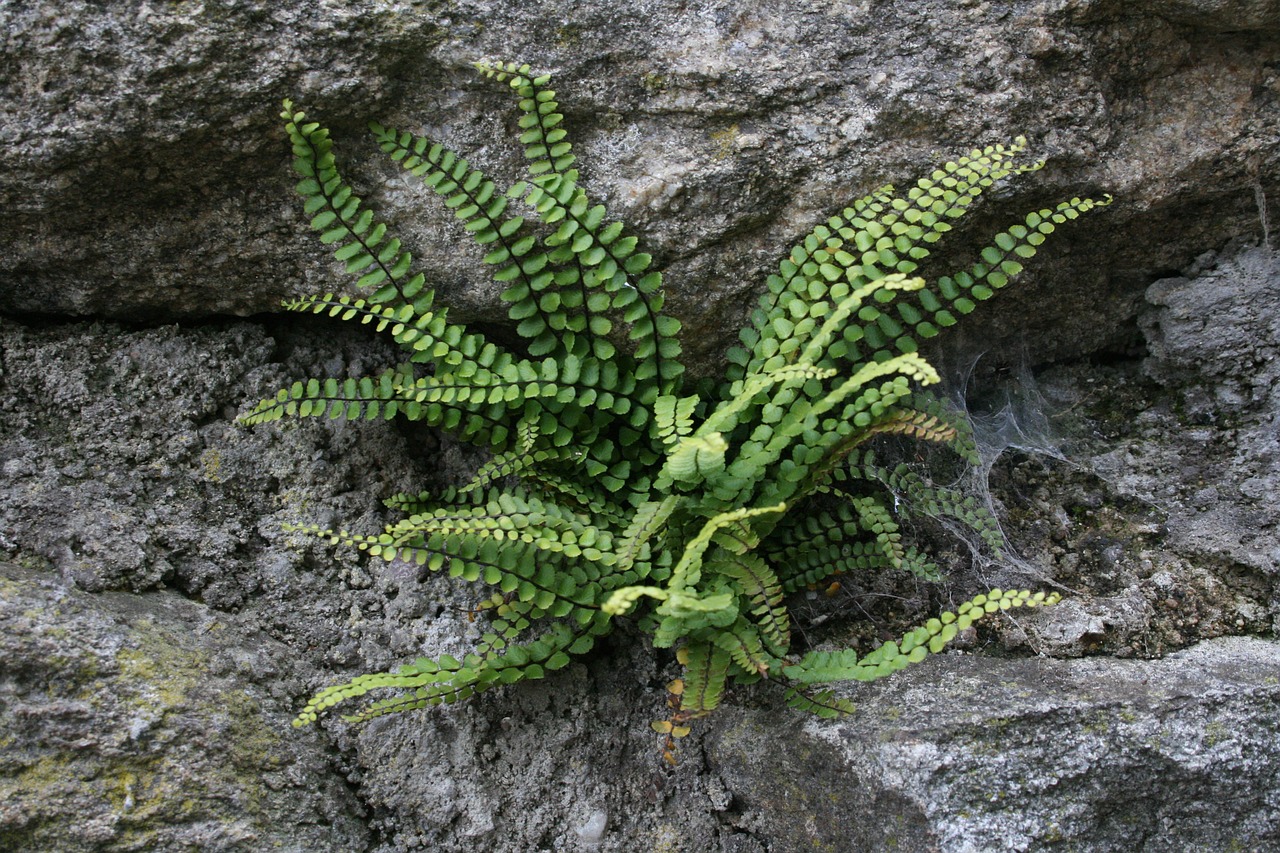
(149, 723)
(141, 159)
(143, 179)
(975, 754)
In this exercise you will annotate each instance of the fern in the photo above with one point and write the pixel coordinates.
(696, 513)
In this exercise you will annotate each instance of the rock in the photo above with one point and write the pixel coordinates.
(537, 765)
(1218, 333)
(1215, 339)
(134, 722)
(142, 161)
(974, 754)
(163, 626)
(123, 468)
(1076, 627)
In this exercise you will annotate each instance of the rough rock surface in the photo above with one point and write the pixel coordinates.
(983, 755)
(144, 723)
(719, 130)
(158, 627)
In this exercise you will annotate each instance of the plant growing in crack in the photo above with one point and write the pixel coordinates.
(614, 489)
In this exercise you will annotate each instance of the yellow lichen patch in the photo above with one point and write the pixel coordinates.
(726, 141)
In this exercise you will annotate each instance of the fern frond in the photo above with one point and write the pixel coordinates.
(914, 646)
(447, 680)
(912, 424)
(387, 396)
(688, 570)
(763, 590)
(706, 668)
(808, 549)
(482, 210)
(471, 549)
(518, 461)
(673, 418)
(743, 643)
(610, 262)
(605, 388)
(360, 242)
(599, 503)
(874, 518)
(352, 399)
(823, 704)
(882, 234)
(811, 449)
(962, 443)
(426, 335)
(696, 458)
(918, 497)
(1001, 261)
(806, 275)
(434, 680)
(879, 236)
(545, 145)
(648, 519)
(600, 268)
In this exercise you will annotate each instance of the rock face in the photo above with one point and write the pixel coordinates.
(1027, 755)
(159, 627)
(719, 130)
(130, 725)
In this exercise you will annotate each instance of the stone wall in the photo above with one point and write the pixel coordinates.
(159, 628)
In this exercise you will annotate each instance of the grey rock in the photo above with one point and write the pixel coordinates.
(719, 131)
(1075, 626)
(1215, 339)
(131, 723)
(123, 470)
(163, 625)
(975, 754)
(1222, 15)
(1219, 333)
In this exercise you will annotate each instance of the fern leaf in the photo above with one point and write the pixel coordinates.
(962, 441)
(764, 591)
(806, 274)
(742, 641)
(610, 276)
(648, 520)
(594, 254)
(1002, 260)
(914, 646)
(823, 704)
(545, 145)
(359, 241)
(688, 570)
(386, 396)
(585, 497)
(531, 563)
(696, 458)
(916, 496)
(808, 549)
(431, 677)
(368, 398)
(482, 210)
(447, 680)
(706, 670)
(795, 452)
(879, 236)
(673, 418)
(425, 335)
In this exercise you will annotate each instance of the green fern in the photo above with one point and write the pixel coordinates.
(696, 513)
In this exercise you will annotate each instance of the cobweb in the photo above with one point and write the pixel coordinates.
(1013, 415)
